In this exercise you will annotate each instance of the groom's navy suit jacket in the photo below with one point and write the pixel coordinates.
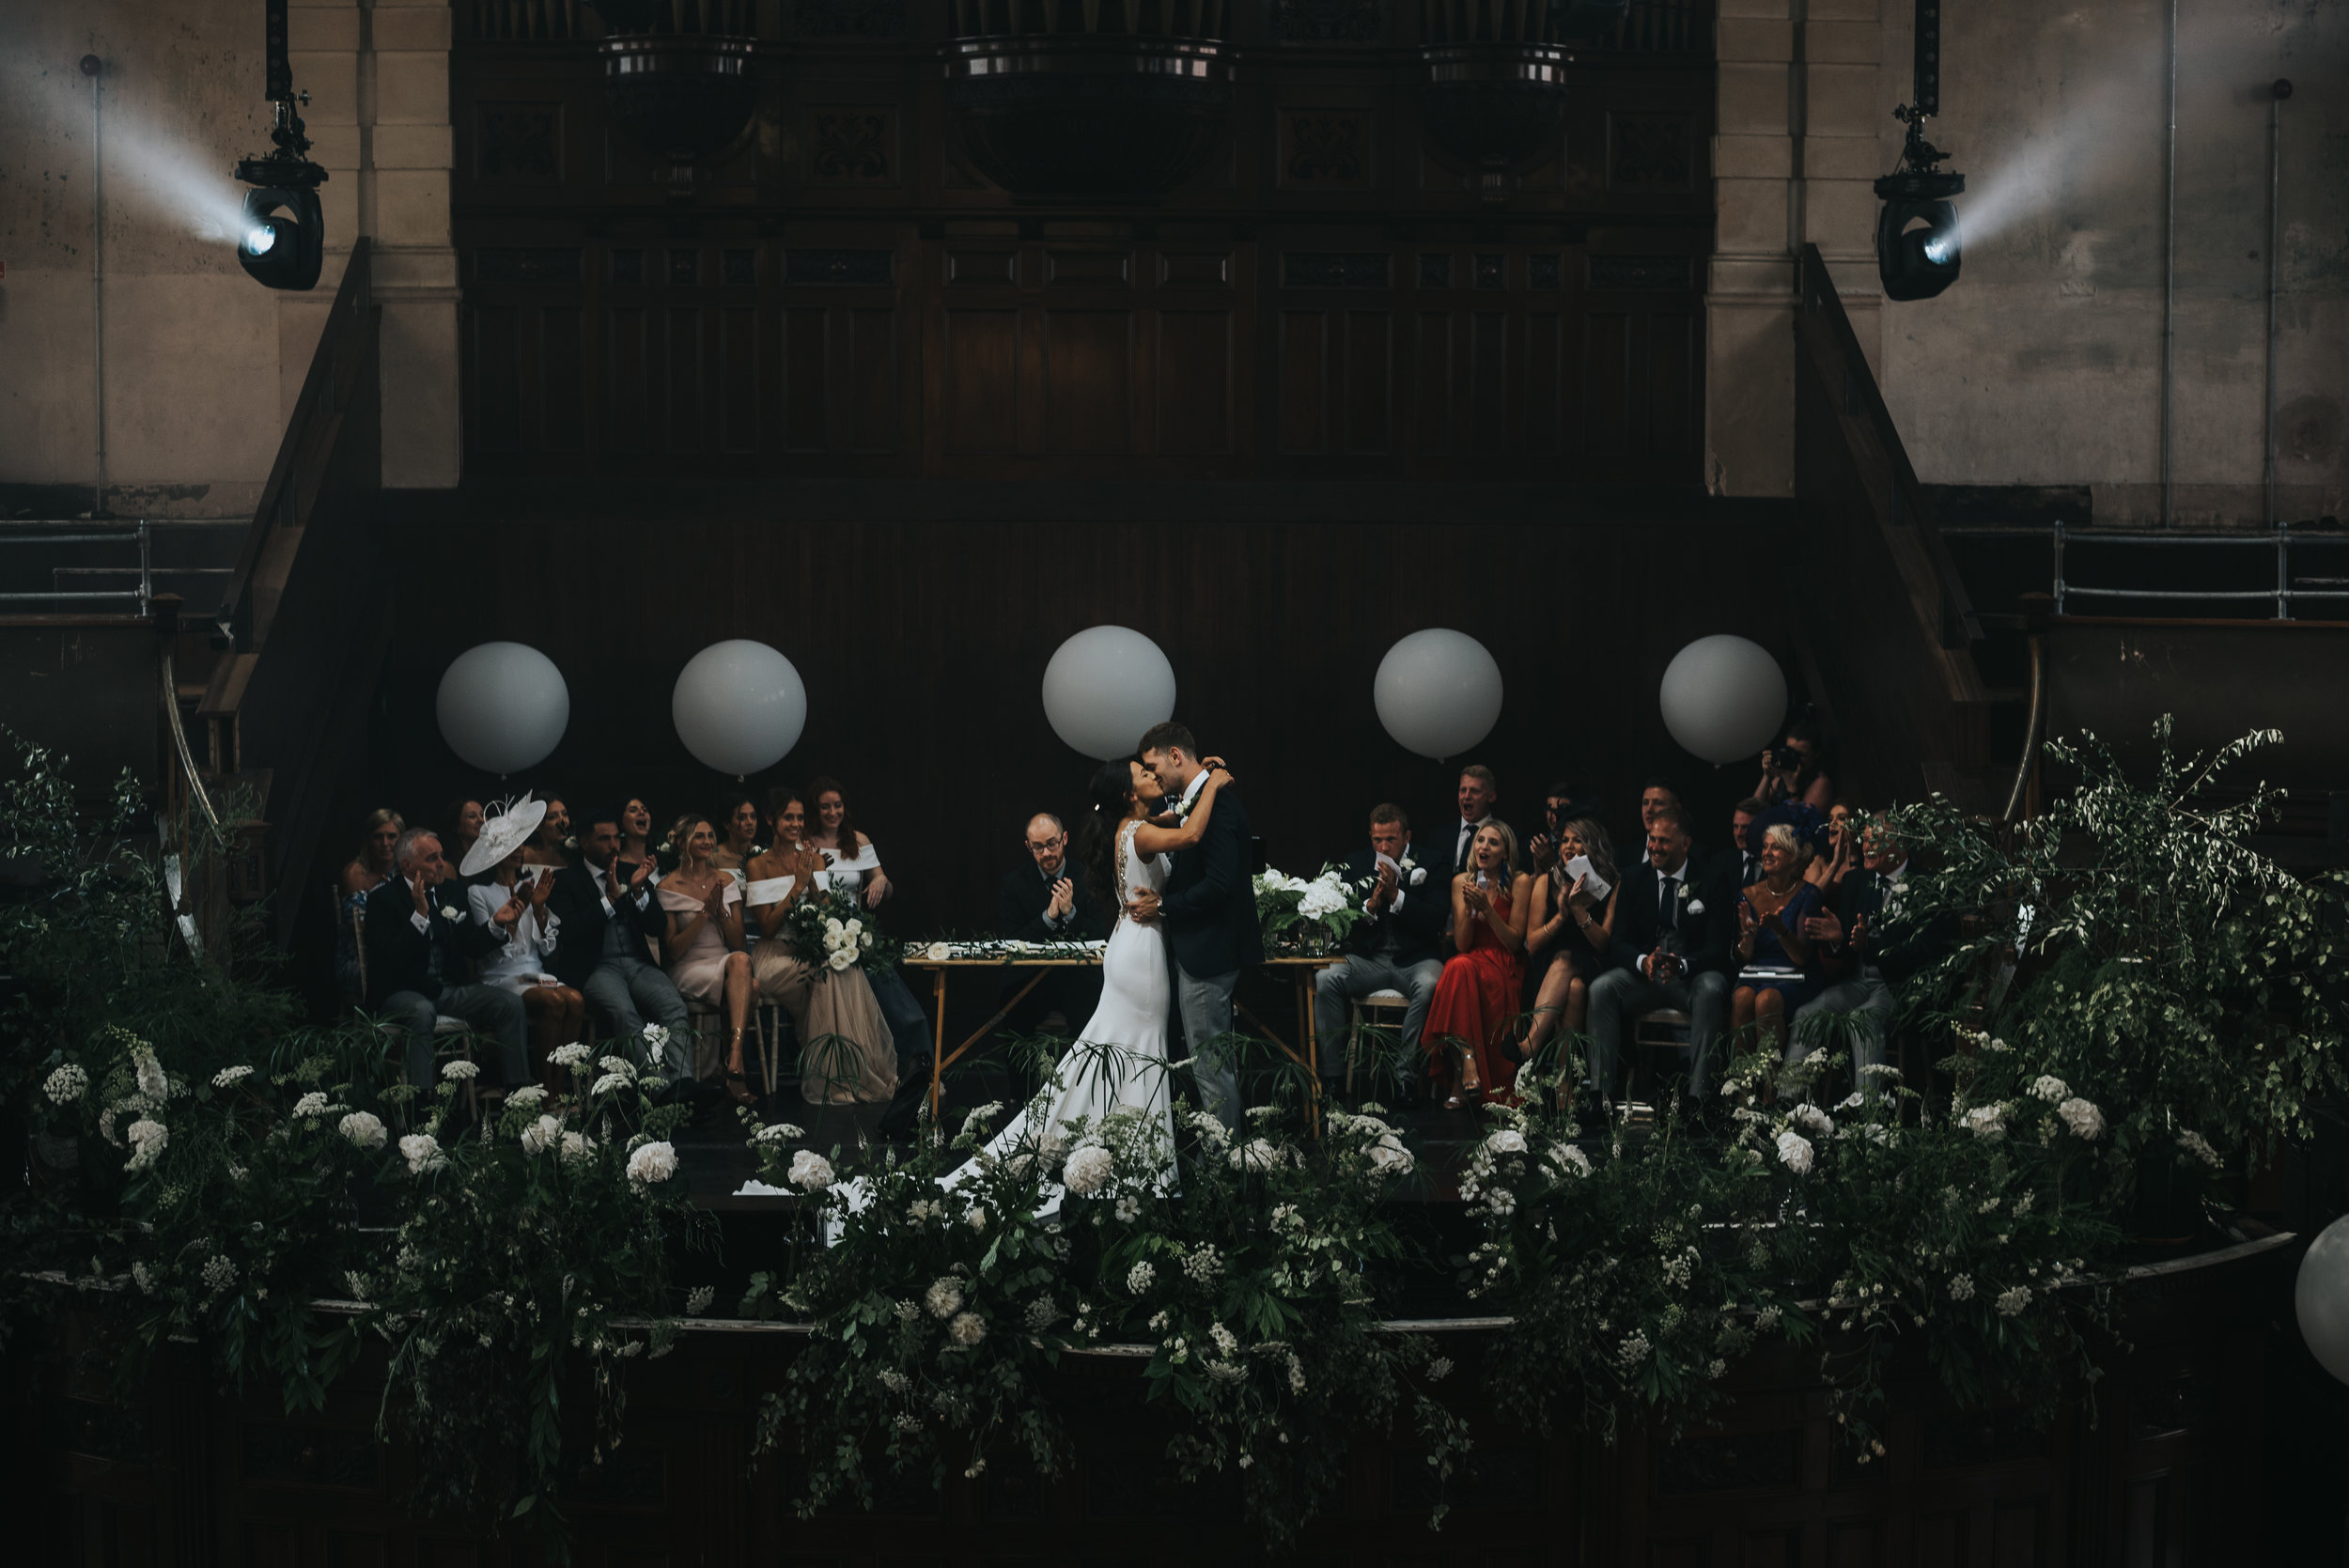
(1208, 906)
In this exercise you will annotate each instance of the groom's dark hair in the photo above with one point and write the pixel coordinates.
(1169, 737)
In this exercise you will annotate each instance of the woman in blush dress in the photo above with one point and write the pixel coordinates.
(705, 941)
(846, 1051)
(1475, 1008)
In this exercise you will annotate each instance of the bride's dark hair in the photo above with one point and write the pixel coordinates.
(1110, 795)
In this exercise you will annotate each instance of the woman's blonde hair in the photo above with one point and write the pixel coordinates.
(681, 834)
(1783, 836)
(1508, 850)
(380, 816)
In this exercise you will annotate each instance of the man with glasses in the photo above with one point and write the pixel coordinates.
(1047, 901)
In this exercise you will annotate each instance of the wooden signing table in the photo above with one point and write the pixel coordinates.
(1300, 971)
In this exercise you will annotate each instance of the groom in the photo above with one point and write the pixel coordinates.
(1210, 912)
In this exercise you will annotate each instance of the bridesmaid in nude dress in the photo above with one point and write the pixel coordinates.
(704, 940)
(846, 1053)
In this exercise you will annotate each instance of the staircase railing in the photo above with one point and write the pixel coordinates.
(301, 625)
(1884, 579)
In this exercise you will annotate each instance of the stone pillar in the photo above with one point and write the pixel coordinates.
(377, 72)
(1794, 151)
(415, 265)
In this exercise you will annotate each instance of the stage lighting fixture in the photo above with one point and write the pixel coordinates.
(282, 241)
(1919, 246)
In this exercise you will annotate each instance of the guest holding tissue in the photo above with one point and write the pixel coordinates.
(1571, 929)
(556, 1012)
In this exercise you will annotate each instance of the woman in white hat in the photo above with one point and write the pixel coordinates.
(558, 1014)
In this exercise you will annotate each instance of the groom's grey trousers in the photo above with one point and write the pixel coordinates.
(1205, 1001)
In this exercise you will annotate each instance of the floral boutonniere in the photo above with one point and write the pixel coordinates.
(451, 913)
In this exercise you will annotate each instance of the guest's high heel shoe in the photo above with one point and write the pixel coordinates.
(738, 1089)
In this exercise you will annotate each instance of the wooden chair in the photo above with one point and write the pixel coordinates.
(1664, 1030)
(1389, 1008)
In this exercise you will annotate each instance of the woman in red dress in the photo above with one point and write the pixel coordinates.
(1474, 1013)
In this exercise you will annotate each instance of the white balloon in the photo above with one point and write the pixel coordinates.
(1723, 697)
(1438, 692)
(739, 707)
(503, 707)
(1104, 687)
(2320, 1297)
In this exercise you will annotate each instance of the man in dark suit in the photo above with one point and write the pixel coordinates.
(1477, 797)
(1676, 948)
(1741, 862)
(1049, 900)
(1869, 945)
(1209, 910)
(419, 952)
(1394, 948)
(606, 912)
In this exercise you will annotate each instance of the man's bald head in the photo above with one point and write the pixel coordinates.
(1048, 842)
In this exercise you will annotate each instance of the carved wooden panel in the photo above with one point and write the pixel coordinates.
(835, 297)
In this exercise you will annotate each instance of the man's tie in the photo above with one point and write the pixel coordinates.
(1460, 856)
(1667, 910)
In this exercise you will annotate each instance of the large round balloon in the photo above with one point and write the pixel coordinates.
(503, 707)
(1724, 698)
(1437, 692)
(1104, 687)
(739, 707)
(2321, 1299)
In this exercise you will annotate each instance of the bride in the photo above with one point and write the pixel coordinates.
(1118, 1062)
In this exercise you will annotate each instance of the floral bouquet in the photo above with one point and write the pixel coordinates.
(831, 929)
(1299, 916)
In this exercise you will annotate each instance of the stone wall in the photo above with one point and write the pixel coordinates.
(2042, 365)
(201, 365)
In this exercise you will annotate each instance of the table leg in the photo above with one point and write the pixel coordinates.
(1309, 1032)
(938, 1051)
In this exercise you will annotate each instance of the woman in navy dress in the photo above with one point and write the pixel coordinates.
(1769, 938)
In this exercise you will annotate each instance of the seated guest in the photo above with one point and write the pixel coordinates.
(1562, 803)
(552, 844)
(852, 864)
(607, 921)
(1799, 768)
(635, 831)
(850, 861)
(1051, 900)
(1770, 916)
(367, 870)
(1394, 948)
(740, 814)
(846, 1051)
(1742, 860)
(502, 898)
(1867, 946)
(1673, 947)
(1474, 1010)
(417, 953)
(1475, 796)
(1571, 929)
(1655, 796)
(704, 943)
(462, 823)
(1827, 871)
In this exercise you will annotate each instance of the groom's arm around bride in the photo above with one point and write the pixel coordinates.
(1208, 911)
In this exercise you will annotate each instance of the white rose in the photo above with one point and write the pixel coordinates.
(1810, 1118)
(810, 1171)
(364, 1128)
(654, 1163)
(853, 926)
(148, 1138)
(578, 1146)
(841, 961)
(1508, 1140)
(1985, 1121)
(423, 1153)
(540, 1135)
(1088, 1170)
(1257, 1154)
(2082, 1117)
(939, 951)
(450, 912)
(1390, 1158)
(1571, 1157)
(1794, 1152)
(833, 926)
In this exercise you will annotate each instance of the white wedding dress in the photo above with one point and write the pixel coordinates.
(1118, 1059)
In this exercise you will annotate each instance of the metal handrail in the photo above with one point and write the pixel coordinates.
(144, 593)
(2278, 539)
